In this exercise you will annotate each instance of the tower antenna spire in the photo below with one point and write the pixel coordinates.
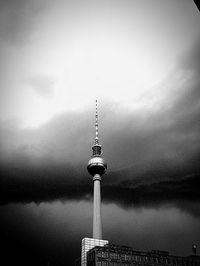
(96, 126)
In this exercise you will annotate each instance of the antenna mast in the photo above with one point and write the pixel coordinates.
(96, 126)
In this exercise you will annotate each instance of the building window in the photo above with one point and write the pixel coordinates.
(128, 257)
(114, 255)
(122, 256)
(104, 254)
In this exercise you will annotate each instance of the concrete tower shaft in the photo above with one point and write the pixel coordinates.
(97, 167)
(97, 225)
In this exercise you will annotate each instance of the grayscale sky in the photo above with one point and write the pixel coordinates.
(141, 60)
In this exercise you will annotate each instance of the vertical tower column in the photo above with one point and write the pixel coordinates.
(97, 167)
(97, 226)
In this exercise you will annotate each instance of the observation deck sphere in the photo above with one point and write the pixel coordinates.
(97, 165)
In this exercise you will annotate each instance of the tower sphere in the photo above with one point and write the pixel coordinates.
(96, 165)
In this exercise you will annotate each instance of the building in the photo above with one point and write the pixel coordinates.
(87, 244)
(114, 255)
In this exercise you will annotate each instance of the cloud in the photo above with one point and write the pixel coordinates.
(58, 182)
(197, 4)
(190, 60)
(152, 154)
(17, 20)
(43, 85)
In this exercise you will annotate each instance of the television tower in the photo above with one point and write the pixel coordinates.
(97, 167)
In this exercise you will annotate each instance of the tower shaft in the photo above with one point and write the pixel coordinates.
(97, 226)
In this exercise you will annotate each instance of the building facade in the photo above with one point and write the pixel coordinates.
(87, 244)
(114, 255)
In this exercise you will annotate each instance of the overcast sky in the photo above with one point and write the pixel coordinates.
(141, 60)
(60, 56)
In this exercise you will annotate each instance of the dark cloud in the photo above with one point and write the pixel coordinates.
(137, 194)
(152, 156)
(27, 237)
(58, 182)
(36, 184)
(17, 19)
(190, 60)
(197, 4)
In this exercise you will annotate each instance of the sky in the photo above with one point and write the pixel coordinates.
(141, 60)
